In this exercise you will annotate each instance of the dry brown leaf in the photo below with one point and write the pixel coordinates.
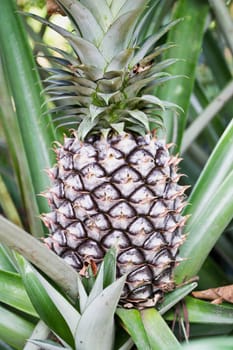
(53, 8)
(216, 295)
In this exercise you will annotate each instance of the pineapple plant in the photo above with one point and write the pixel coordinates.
(115, 184)
(84, 313)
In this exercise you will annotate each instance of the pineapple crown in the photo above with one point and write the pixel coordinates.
(104, 84)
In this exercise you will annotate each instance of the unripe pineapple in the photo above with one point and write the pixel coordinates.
(115, 184)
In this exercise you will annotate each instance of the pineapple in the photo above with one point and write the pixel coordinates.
(115, 183)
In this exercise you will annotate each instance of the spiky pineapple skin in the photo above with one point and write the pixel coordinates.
(121, 191)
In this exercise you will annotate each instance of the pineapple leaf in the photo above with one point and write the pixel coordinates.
(47, 305)
(85, 127)
(215, 199)
(95, 111)
(121, 60)
(140, 116)
(205, 230)
(96, 327)
(179, 91)
(101, 11)
(175, 296)
(13, 293)
(220, 162)
(210, 343)
(119, 127)
(201, 311)
(116, 5)
(150, 42)
(14, 328)
(109, 267)
(83, 297)
(85, 20)
(121, 31)
(154, 100)
(97, 287)
(40, 332)
(85, 50)
(48, 345)
(131, 5)
(133, 323)
(70, 314)
(163, 338)
(25, 130)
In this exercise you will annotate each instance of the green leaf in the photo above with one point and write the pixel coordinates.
(5, 261)
(219, 163)
(85, 19)
(175, 296)
(159, 334)
(200, 311)
(213, 343)
(48, 345)
(86, 51)
(68, 312)
(117, 37)
(150, 42)
(132, 321)
(12, 292)
(96, 326)
(18, 158)
(205, 230)
(109, 267)
(43, 303)
(14, 329)
(97, 287)
(101, 11)
(20, 70)
(140, 116)
(179, 91)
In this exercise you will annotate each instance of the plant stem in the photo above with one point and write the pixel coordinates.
(44, 259)
(205, 117)
(224, 20)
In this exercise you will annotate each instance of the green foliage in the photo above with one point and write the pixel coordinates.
(49, 293)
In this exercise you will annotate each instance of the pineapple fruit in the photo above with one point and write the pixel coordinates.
(115, 183)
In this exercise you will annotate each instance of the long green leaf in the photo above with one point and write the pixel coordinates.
(18, 158)
(200, 311)
(13, 293)
(159, 334)
(205, 230)
(220, 164)
(43, 303)
(133, 323)
(213, 343)
(14, 329)
(68, 312)
(5, 261)
(179, 90)
(175, 296)
(26, 89)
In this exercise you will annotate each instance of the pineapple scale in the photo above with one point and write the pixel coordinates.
(121, 191)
